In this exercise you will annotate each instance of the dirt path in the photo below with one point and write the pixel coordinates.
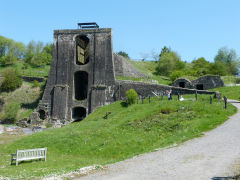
(216, 154)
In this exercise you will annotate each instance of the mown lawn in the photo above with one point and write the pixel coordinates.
(129, 131)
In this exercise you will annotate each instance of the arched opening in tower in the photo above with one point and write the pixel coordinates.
(81, 85)
(82, 45)
(78, 113)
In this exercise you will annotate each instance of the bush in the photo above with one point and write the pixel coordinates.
(35, 84)
(132, 96)
(11, 111)
(11, 81)
(237, 80)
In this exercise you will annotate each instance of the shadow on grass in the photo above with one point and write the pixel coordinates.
(124, 104)
(31, 105)
(227, 178)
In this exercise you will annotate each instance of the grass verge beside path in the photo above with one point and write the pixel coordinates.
(231, 92)
(129, 131)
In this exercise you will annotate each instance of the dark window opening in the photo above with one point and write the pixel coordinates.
(78, 113)
(81, 85)
(182, 84)
(199, 86)
(82, 43)
(42, 114)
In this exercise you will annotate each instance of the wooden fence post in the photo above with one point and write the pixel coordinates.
(225, 102)
(210, 99)
(196, 95)
(149, 99)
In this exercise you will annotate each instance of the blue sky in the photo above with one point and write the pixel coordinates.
(193, 28)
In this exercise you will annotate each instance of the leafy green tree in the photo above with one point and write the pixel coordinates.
(176, 74)
(48, 48)
(12, 80)
(168, 62)
(200, 67)
(124, 54)
(229, 58)
(218, 68)
(37, 54)
(10, 51)
(165, 49)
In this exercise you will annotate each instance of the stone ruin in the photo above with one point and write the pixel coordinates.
(82, 77)
(202, 83)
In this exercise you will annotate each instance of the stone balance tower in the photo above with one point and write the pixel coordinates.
(81, 77)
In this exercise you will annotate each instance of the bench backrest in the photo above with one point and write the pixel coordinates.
(31, 153)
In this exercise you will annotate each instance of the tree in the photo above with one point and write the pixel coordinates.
(38, 54)
(229, 58)
(218, 68)
(168, 62)
(165, 49)
(124, 54)
(10, 51)
(176, 74)
(12, 80)
(154, 55)
(200, 66)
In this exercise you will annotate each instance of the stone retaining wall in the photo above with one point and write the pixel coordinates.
(31, 79)
(146, 89)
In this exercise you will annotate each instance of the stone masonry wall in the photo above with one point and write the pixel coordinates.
(145, 89)
(209, 82)
(125, 68)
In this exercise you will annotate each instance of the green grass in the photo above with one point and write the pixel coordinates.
(27, 96)
(147, 68)
(231, 92)
(229, 79)
(30, 71)
(129, 131)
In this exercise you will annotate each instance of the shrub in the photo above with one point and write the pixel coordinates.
(132, 96)
(11, 111)
(237, 80)
(35, 84)
(11, 81)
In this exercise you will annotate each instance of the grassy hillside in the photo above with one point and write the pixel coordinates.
(129, 131)
(231, 92)
(148, 68)
(29, 70)
(26, 96)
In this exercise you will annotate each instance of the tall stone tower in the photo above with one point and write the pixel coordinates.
(81, 77)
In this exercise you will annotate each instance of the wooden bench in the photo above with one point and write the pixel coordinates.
(29, 154)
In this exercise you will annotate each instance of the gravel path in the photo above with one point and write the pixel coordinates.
(216, 154)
